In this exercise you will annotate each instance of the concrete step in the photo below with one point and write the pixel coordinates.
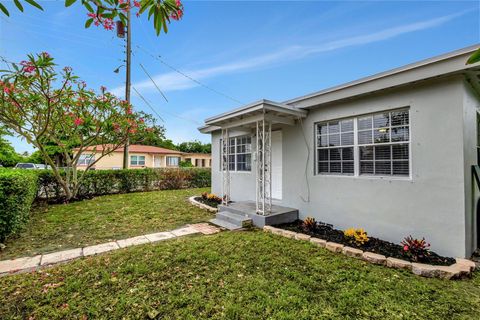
(234, 218)
(224, 224)
(238, 209)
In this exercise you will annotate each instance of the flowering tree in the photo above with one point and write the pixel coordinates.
(104, 12)
(44, 105)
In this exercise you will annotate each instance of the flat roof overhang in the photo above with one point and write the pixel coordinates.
(248, 115)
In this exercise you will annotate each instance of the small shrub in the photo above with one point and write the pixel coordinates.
(18, 189)
(356, 236)
(309, 224)
(103, 182)
(214, 198)
(415, 249)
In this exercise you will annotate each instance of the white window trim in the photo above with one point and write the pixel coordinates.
(137, 164)
(356, 150)
(251, 155)
(172, 157)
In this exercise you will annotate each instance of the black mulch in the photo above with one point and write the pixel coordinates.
(388, 249)
(207, 202)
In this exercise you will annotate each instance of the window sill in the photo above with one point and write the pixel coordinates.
(366, 177)
(243, 172)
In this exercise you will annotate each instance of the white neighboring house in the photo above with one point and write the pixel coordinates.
(392, 153)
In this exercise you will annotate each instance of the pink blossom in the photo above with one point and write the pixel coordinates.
(179, 13)
(8, 88)
(405, 248)
(136, 3)
(78, 121)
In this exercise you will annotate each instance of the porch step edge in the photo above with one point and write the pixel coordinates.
(234, 218)
(224, 224)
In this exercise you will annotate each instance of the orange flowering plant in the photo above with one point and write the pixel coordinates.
(45, 105)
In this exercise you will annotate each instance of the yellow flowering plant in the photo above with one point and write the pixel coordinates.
(357, 236)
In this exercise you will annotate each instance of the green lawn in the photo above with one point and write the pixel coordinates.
(63, 226)
(233, 275)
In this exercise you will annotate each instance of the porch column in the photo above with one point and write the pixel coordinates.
(264, 167)
(225, 164)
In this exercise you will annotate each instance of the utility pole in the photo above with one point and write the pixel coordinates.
(127, 82)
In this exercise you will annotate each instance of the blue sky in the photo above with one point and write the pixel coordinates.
(246, 50)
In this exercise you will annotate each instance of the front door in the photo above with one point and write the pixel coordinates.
(277, 165)
(158, 162)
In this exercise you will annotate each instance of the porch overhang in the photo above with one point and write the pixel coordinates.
(247, 116)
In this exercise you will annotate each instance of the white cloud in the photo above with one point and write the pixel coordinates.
(172, 81)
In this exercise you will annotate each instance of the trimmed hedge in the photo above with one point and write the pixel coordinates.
(103, 182)
(18, 189)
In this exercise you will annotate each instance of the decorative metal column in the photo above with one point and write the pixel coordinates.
(225, 167)
(264, 168)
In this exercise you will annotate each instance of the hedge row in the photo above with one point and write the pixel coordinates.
(103, 182)
(18, 189)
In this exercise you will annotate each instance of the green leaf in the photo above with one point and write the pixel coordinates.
(151, 11)
(88, 23)
(33, 3)
(68, 3)
(88, 6)
(475, 57)
(4, 10)
(18, 5)
(165, 27)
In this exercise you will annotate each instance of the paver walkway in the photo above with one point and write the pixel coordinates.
(32, 263)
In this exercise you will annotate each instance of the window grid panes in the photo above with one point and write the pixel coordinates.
(239, 154)
(173, 161)
(86, 159)
(376, 144)
(137, 160)
(335, 147)
(384, 142)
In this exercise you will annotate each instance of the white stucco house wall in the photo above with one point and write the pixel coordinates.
(391, 153)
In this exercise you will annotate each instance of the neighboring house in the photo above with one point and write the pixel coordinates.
(140, 156)
(201, 160)
(391, 153)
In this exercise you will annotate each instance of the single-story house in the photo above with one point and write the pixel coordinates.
(391, 153)
(140, 156)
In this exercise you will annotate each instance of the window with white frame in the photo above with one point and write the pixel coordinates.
(137, 160)
(86, 159)
(376, 144)
(173, 161)
(335, 141)
(239, 154)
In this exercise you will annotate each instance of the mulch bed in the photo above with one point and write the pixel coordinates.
(388, 249)
(207, 202)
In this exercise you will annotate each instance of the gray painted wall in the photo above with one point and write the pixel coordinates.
(431, 203)
(470, 109)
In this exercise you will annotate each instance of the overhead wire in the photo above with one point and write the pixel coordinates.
(147, 103)
(162, 61)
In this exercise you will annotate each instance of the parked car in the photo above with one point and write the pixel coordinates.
(31, 166)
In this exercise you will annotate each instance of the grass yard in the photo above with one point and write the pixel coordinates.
(64, 226)
(233, 275)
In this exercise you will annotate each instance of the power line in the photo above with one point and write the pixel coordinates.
(154, 83)
(167, 112)
(147, 103)
(159, 58)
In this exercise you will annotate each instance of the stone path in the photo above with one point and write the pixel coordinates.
(32, 263)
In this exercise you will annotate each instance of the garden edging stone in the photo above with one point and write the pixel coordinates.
(462, 268)
(201, 205)
(352, 252)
